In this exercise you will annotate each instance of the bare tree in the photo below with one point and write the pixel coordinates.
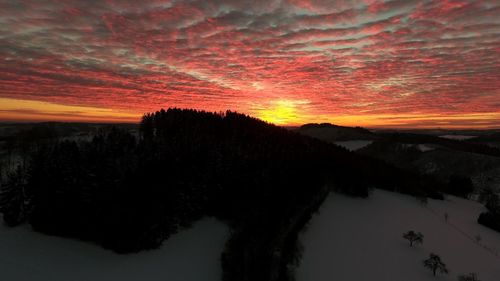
(414, 237)
(435, 264)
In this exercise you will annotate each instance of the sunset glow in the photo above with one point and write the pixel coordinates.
(375, 63)
(282, 112)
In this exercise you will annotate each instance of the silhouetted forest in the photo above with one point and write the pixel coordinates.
(467, 146)
(130, 193)
(490, 218)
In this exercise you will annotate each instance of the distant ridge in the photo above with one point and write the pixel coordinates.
(332, 133)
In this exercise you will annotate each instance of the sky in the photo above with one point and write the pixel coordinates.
(373, 63)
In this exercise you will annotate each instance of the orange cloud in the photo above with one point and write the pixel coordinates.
(433, 63)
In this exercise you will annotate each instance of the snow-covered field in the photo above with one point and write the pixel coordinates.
(353, 145)
(191, 255)
(354, 239)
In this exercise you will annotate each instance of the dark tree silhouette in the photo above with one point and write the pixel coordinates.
(490, 219)
(468, 277)
(460, 186)
(414, 237)
(491, 201)
(435, 264)
(14, 201)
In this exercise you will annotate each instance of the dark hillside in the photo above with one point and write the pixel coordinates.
(128, 194)
(331, 133)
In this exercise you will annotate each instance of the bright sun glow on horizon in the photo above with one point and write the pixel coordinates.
(283, 111)
(376, 63)
(371, 63)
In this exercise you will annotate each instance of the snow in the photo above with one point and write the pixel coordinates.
(354, 239)
(425, 147)
(191, 255)
(420, 147)
(353, 145)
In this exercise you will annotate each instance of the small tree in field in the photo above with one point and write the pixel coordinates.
(435, 264)
(468, 277)
(414, 237)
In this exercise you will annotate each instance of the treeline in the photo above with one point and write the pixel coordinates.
(491, 200)
(18, 140)
(128, 194)
(460, 145)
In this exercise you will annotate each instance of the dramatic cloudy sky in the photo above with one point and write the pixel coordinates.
(358, 62)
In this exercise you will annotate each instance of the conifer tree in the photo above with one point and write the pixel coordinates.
(435, 264)
(13, 199)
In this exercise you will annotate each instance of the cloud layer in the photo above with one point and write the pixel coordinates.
(313, 59)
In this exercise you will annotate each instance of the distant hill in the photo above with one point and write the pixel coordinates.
(492, 139)
(440, 153)
(333, 133)
(11, 131)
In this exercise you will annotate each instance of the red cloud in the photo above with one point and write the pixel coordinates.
(334, 58)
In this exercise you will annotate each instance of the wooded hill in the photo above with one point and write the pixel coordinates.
(128, 194)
